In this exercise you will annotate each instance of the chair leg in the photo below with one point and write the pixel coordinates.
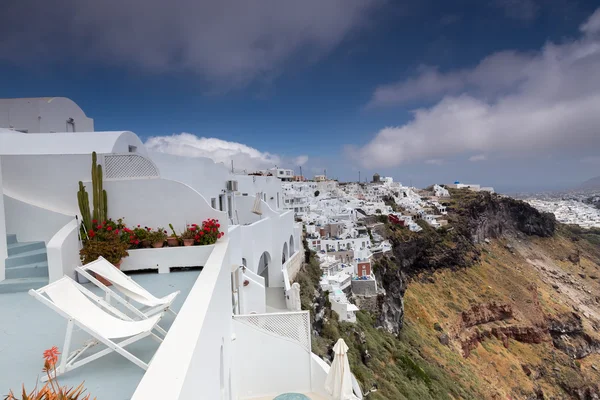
(66, 347)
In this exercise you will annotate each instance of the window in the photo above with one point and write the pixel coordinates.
(230, 207)
(222, 202)
(132, 149)
(213, 202)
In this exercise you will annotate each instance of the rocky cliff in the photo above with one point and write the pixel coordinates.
(502, 303)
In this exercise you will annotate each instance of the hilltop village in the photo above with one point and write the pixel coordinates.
(343, 223)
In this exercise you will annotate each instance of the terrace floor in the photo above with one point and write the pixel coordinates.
(28, 327)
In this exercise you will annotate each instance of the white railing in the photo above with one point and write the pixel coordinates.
(292, 326)
(129, 166)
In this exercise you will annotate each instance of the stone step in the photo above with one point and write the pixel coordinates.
(11, 238)
(39, 270)
(29, 257)
(21, 284)
(18, 248)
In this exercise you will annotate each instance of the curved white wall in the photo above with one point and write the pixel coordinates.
(200, 173)
(31, 223)
(158, 202)
(63, 252)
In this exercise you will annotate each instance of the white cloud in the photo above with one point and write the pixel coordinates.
(187, 144)
(541, 103)
(301, 160)
(478, 157)
(434, 161)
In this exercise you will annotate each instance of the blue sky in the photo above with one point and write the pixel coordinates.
(322, 82)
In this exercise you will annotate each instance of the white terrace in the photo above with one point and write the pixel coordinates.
(223, 344)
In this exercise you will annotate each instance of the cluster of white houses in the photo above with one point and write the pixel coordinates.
(238, 335)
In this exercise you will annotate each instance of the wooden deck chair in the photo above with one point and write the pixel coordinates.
(128, 287)
(98, 318)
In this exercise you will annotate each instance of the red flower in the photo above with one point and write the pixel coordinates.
(99, 227)
(218, 225)
(51, 355)
(137, 241)
(194, 224)
(165, 231)
(197, 237)
(201, 233)
(109, 228)
(91, 234)
(193, 228)
(214, 230)
(138, 225)
(94, 221)
(117, 232)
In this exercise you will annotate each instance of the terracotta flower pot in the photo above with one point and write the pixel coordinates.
(172, 241)
(188, 242)
(158, 245)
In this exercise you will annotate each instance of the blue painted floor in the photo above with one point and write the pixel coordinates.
(27, 328)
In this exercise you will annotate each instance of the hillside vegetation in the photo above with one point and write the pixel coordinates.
(502, 303)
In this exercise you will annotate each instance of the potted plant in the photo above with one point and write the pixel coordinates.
(188, 236)
(157, 237)
(209, 232)
(141, 235)
(172, 240)
(110, 247)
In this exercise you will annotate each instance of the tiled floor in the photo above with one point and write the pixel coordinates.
(27, 328)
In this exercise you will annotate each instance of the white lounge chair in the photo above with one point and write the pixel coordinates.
(128, 287)
(93, 315)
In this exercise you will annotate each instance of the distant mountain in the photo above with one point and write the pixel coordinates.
(593, 183)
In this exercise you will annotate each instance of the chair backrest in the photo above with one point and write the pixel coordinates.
(66, 295)
(122, 282)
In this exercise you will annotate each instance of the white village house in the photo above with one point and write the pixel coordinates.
(238, 333)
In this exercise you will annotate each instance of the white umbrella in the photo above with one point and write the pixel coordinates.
(339, 380)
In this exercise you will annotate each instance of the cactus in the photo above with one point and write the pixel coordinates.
(98, 192)
(94, 186)
(84, 207)
(173, 230)
(100, 204)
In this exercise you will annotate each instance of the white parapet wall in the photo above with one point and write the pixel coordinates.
(194, 360)
(166, 258)
(272, 354)
(63, 252)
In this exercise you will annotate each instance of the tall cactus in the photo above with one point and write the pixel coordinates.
(84, 207)
(100, 212)
(94, 186)
(99, 192)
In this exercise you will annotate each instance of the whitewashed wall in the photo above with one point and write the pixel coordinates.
(158, 202)
(48, 114)
(63, 252)
(253, 298)
(267, 365)
(269, 185)
(3, 246)
(49, 182)
(188, 364)
(200, 173)
(31, 223)
(163, 259)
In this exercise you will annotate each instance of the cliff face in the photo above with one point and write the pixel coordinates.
(502, 303)
(486, 215)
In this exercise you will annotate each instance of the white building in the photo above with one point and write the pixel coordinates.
(283, 174)
(225, 343)
(43, 115)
